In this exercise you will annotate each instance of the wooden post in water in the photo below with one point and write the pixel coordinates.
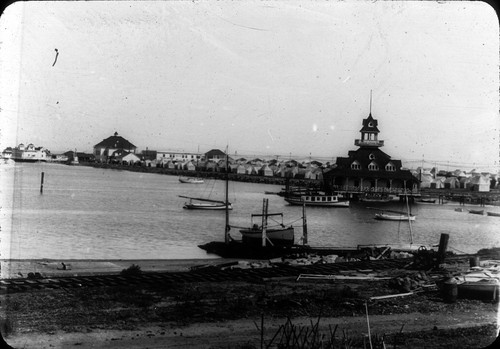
(41, 183)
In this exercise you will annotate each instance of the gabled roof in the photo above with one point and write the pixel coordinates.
(115, 142)
(370, 121)
(214, 152)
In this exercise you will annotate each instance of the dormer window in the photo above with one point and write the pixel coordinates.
(373, 166)
(355, 166)
(390, 167)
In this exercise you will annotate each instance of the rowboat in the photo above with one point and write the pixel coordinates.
(493, 214)
(205, 204)
(191, 180)
(394, 217)
(318, 200)
(426, 201)
(479, 212)
(277, 236)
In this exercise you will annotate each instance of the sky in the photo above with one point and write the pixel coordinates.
(276, 78)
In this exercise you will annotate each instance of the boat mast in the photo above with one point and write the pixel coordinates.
(304, 224)
(227, 228)
(409, 217)
(264, 221)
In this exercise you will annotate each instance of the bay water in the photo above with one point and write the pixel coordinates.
(93, 213)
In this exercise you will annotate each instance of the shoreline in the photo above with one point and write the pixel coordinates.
(20, 268)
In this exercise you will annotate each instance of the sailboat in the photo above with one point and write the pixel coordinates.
(257, 242)
(260, 235)
(197, 203)
(391, 215)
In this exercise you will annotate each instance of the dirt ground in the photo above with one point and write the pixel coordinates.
(244, 315)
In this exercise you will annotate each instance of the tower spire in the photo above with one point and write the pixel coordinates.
(370, 102)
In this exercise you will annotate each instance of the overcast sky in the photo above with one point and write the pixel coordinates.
(264, 77)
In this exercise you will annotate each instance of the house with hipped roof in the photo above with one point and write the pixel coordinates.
(103, 151)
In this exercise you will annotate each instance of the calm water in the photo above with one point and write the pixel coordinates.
(107, 214)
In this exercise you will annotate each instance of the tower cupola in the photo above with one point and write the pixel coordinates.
(369, 132)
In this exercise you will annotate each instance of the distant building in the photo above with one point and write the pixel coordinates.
(104, 150)
(124, 157)
(163, 156)
(369, 168)
(70, 155)
(29, 153)
(7, 153)
(149, 154)
(215, 155)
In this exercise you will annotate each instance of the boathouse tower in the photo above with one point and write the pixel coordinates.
(368, 169)
(369, 134)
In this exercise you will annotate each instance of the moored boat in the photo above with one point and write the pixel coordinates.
(493, 214)
(205, 204)
(394, 217)
(277, 236)
(318, 200)
(426, 201)
(479, 212)
(191, 180)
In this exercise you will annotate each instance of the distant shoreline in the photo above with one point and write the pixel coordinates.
(210, 174)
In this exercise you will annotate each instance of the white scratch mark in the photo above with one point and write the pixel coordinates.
(270, 135)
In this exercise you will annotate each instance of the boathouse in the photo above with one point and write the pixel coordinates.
(103, 151)
(369, 169)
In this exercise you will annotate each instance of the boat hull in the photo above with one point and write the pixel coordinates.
(203, 206)
(191, 180)
(388, 217)
(479, 212)
(317, 201)
(493, 214)
(425, 201)
(278, 237)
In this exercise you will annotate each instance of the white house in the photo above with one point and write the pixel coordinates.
(29, 153)
(438, 183)
(167, 155)
(266, 171)
(479, 183)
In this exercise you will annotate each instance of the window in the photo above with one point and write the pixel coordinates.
(370, 124)
(371, 156)
(390, 167)
(373, 166)
(355, 166)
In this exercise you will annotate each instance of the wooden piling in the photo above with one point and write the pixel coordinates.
(41, 183)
